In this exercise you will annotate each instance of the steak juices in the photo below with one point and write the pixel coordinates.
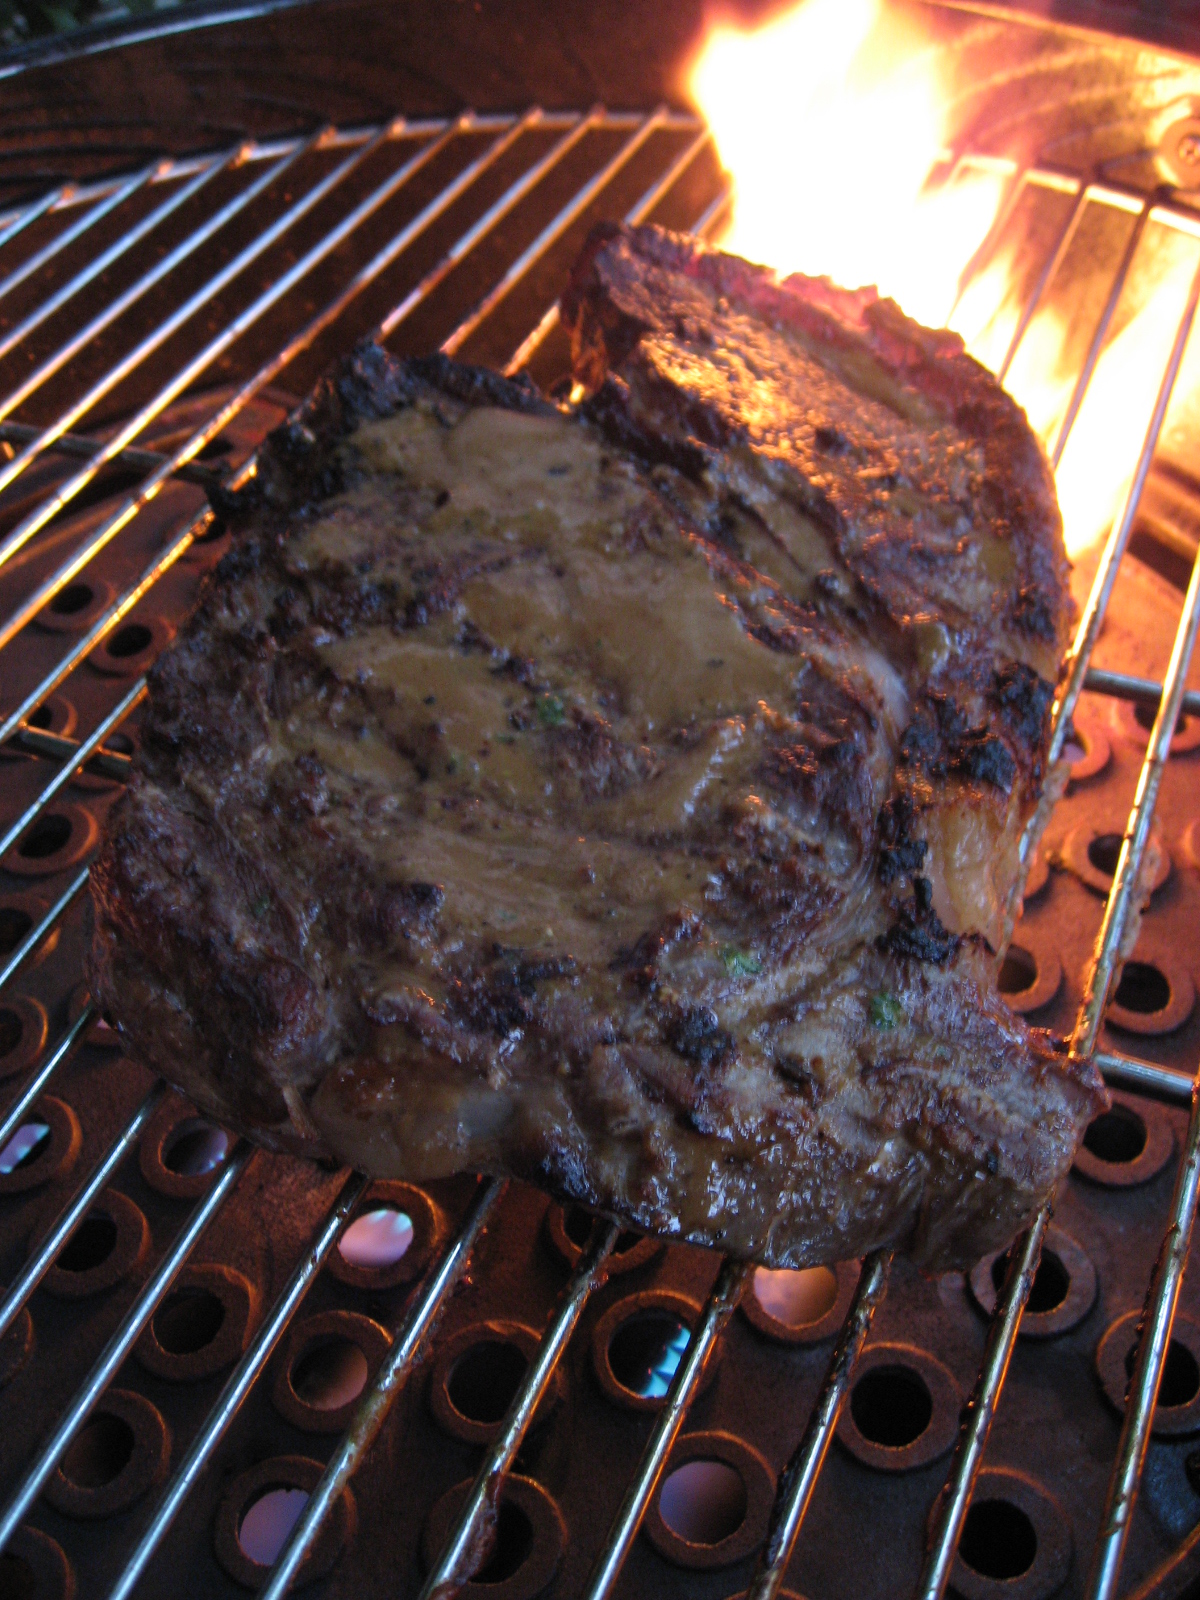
(624, 796)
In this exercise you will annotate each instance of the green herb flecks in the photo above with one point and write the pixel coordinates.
(740, 963)
(551, 711)
(885, 1011)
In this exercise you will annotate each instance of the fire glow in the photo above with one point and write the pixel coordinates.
(832, 120)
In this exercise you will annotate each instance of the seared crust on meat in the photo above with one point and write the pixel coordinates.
(573, 794)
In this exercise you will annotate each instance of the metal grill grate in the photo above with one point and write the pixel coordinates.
(128, 306)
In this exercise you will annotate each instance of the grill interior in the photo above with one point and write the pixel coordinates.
(195, 1336)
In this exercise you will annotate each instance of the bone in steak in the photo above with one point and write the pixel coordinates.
(624, 798)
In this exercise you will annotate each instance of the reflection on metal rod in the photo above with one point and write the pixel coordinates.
(366, 275)
(722, 1303)
(34, 1270)
(475, 232)
(230, 332)
(638, 212)
(553, 231)
(24, 1103)
(1153, 1342)
(121, 1343)
(1106, 573)
(39, 931)
(83, 448)
(1045, 278)
(1003, 1331)
(1125, 686)
(1164, 1290)
(67, 771)
(120, 246)
(240, 1380)
(373, 1408)
(60, 747)
(1145, 1077)
(1024, 1259)
(39, 259)
(467, 1547)
(1101, 333)
(799, 1478)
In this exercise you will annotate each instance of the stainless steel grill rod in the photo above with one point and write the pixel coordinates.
(42, 927)
(57, 747)
(722, 1302)
(799, 1478)
(1024, 1259)
(240, 1381)
(529, 346)
(45, 438)
(46, 202)
(553, 231)
(119, 1346)
(73, 230)
(68, 1219)
(372, 1410)
(464, 1551)
(1168, 1274)
(1125, 686)
(1027, 1252)
(119, 247)
(67, 771)
(1045, 278)
(261, 242)
(494, 213)
(1098, 338)
(366, 275)
(1106, 573)
(25, 1101)
(1145, 1077)
(231, 332)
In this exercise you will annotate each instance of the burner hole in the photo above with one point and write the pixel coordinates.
(24, 1148)
(1180, 1381)
(11, 1030)
(514, 1541)
(15, 923)
(330, 1375)
(377, 1239)
(796, 1298)
(93, 1241)
(1117, 1136)
(267, 1522)
(891, 1406)
(1142, 988)
(1019, 971)
(40, 717)
(484, 1380)
(18, 1580)
(645, 1353)
(1144, 716)
(1073, 751)
(998, 1540)
(130, 640)
(703, 1502)
(187, 1321)
(47, 835)
(74, 598)
(99, 1453)
(1050, 1286)
(194, 1148)
(1103, 852)
(578, 1224)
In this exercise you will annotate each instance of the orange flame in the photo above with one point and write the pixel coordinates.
(832, 120)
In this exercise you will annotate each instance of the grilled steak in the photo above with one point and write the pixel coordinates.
(623, 797)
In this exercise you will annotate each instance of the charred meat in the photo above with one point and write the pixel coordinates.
(624, 796)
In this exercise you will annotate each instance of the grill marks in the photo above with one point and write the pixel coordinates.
(570, 796)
